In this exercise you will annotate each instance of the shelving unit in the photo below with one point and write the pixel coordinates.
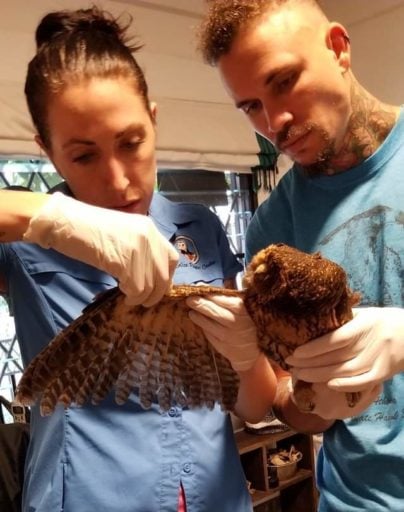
(298, 493)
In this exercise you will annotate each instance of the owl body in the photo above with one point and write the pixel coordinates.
(295, 297)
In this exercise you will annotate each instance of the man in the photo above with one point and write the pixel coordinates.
(289, 70)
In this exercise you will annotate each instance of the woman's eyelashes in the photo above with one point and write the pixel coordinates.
(87, 157)
(131, 145)
(84, 158)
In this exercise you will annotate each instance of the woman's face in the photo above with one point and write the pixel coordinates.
(103, 143)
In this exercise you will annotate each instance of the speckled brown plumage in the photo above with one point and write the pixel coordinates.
(292, 297)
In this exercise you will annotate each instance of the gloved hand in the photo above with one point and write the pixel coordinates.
(333, 405)
(127, 246)
(228, 326)
(362, 353)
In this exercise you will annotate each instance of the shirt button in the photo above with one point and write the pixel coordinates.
(172, 412)
(186, 468)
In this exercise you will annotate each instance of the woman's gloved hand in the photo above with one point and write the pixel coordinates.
(228, 326)
(357, 356)
(127, 246)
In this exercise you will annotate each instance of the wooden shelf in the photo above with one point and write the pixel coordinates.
(301, 474)
(296, 494)
(259, 497)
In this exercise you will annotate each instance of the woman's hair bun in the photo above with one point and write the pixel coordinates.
(65, 23)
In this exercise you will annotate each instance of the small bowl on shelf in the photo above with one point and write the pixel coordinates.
(285, 463)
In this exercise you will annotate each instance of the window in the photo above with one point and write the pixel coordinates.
(40, 176)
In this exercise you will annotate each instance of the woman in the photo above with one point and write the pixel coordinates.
(88, 100)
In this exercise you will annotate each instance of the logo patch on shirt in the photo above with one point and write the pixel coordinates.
(187, 248)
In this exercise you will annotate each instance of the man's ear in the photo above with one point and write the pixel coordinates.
(338, 41)
(153, 111)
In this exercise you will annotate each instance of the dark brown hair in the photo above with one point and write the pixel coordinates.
(225, 18)
(76, 45)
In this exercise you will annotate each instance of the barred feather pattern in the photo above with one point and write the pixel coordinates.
(161, 354)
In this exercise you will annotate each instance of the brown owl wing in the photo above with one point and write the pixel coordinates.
(157, 351)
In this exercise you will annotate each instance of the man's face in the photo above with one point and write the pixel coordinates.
(103, 143)
(286, 76)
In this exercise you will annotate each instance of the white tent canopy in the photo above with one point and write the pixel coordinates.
(198, 127)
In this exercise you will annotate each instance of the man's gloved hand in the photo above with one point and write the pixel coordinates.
(333, 405)
(127, 246)
(228, 326)
(362, 353)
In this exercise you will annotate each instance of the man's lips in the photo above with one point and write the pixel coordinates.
(292, 144)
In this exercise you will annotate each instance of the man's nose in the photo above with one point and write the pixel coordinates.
(276, 121)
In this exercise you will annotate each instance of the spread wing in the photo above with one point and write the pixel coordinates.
(157, 351)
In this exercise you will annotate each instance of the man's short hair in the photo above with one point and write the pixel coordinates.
(225, 18)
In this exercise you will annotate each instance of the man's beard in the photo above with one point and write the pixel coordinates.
(322, 163)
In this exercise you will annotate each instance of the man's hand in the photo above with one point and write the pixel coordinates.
(333, 405)
(357, 356)
(127, 246)
(228, 327)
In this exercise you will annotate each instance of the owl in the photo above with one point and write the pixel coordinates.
(162, 355)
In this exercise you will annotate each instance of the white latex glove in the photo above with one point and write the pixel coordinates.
(127, 246)
(228, 326)
(333, 405)
(357, 356)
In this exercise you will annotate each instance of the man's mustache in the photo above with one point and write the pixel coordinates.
(291, 133)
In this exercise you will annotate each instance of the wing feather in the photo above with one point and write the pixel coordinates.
(157, 352)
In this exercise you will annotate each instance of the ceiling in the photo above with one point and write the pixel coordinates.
(348, 12)
(192, 8)
(352, 12)
(198, 125)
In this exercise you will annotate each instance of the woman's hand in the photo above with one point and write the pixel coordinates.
(127, 246)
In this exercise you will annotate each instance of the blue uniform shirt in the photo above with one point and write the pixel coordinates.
(111, 458)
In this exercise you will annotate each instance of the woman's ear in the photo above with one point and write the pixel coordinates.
(153, 111)
(338, 41)
(40, 143)
(38, 140)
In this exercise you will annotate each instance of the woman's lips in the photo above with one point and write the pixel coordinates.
(130, 207)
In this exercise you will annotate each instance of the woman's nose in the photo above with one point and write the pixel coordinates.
(115, 174)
